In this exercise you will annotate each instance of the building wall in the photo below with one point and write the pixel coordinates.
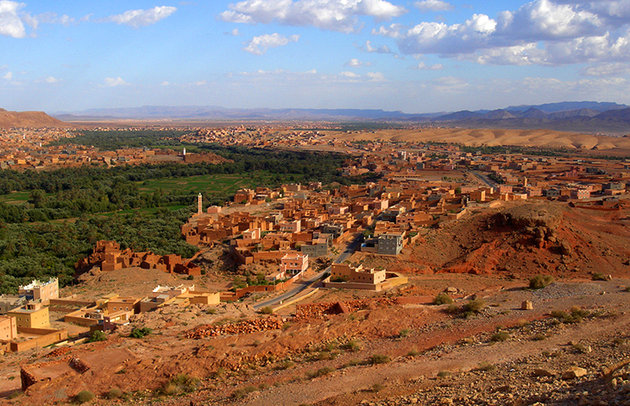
(8, 328)
(33, 319)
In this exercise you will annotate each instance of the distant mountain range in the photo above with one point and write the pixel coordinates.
(583, 116)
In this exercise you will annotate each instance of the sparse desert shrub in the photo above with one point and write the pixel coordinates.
(241, 393)
(627, 289)
(266, 310)
(352, 345)
(499, 336)
(452, 309)
(413, 353)
(84, 396)
(284, 365)
(475, 306)
(443, 374)
(486, 367)
(114, 393)
(320, 372)
(539, 337)
(575, 315)
(211, 310)
(442, 298)
(97, 335)
(404, 333)
(378, 359)
(377, 387)
(598, 276)
(140, 332)
(168, 389)
(185, 383)
(540, 281)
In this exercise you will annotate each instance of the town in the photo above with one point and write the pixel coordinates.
(300, 252)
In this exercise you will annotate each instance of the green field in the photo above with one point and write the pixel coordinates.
(15, 197)
(218, 184)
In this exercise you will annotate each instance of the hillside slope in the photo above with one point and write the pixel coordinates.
(36, 119)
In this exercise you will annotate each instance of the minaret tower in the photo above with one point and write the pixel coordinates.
(199, 204)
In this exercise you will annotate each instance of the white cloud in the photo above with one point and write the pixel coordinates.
(607, 69)
(450, 84)
(433, 5)
(424, 66)
(141, 18)
(336, 15)
(8, 76)
(545, 32)
(375, 76)
(51, 80)
(10, 23)
(113, 82)
(260, 44)
(355, 63)
(383, 49)
(350, 75)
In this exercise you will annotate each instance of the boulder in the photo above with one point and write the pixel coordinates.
(527, 305)
(573, 372)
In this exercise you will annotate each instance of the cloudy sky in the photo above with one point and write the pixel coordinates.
(414, 56)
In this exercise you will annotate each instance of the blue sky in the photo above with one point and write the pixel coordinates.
(415, 56)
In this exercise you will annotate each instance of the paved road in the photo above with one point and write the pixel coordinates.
(484, 179)
(302, 285)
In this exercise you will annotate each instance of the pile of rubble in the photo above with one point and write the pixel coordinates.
(243, 327)
(320, 310)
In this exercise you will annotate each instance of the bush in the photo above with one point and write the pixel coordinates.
(97, 335)
(472, 308)
(284, 365)
(84, 396)
(114, 393)
(266, 310)
(140, 332)
(599, 277)
(404, 332)
(539, 337)
(499, 336)
(486, 367)
(241, 393)
(378, 359)
(442, 298)
(575, 315)
(377, 387)
(352, 345)
(540, 281)
(627, 289)
(443, 374)
(320, 372)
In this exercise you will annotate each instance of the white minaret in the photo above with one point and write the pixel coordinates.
(199, 204)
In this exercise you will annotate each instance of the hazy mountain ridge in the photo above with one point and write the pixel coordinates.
(586, 116)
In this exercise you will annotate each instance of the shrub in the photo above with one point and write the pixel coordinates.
(377, 387)
(320, 372)
(575, 315)
(352, 345)
(185, 383)
(241, 393)
(84, 396)
(539, 337)
(284, 365)
(266, 310)
(378, 359)
(597, 276)
(499, 336)
(627, 289)
(486, 366)
(413, 353)
(404, 332)
(443, 374)
(114, 393)
(97, 335)
(140, 332)
(442, 298)
(540, 281)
